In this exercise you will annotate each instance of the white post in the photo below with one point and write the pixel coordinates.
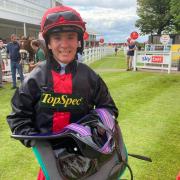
(85, 55)
(99, 51)
(134, 60)
(169, 64)
(89, 54)
(25, 34)
(93, 53)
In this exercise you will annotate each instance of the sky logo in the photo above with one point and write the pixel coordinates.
(146, 58)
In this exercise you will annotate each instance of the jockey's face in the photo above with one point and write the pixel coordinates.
(64, 46)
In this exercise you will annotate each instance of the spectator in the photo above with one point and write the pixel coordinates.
(13, 48)
(130, 54)
(23, 52)
(43, 47)
(39, 53)
(60, 76)
(3, 57)
(1, 84)
(29, 49)
(116, 50)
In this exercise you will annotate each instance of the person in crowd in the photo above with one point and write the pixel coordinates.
(1, 82)
(23, 52)
(3, 51)
(39, 53)
(3, 60)
(116, 50)
(60, 76)
(130, 54)
(29, 49)
(13, 48)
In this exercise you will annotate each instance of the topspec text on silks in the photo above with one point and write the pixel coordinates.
(54, 100)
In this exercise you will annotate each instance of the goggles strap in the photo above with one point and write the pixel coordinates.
(106, 118)
(82, 130)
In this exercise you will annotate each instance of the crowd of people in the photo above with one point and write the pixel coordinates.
(31, 51)
(26, 50)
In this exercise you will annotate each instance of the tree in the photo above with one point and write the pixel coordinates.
(175, 12)
(154, 16)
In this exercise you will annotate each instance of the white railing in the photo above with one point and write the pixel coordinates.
(96, 53)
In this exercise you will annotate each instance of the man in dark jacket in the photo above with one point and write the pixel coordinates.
(14, 54)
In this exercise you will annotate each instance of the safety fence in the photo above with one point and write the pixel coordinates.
(159, 60)
(89, 55)
(96, 53)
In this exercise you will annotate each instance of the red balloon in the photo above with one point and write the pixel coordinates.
(101, 40)
(134, 35)
(86, 36)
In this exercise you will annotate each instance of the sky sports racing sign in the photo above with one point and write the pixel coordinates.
(153, 60)
(159, 59)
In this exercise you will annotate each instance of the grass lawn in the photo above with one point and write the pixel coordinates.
(149, 105)
(110, 62)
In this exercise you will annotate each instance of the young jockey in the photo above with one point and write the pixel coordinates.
(60, 90)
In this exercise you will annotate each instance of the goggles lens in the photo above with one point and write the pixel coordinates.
(66, 15)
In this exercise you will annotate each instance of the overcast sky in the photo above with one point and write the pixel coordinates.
(113, 20)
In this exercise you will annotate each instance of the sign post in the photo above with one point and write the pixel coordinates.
(101, 41)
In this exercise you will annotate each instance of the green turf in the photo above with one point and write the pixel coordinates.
(113, 62)
(16, 162)
(149, 105)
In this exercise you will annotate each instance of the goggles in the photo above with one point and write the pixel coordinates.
(64, 16)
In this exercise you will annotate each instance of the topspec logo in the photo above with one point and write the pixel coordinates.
(63, 101)
(157, 59)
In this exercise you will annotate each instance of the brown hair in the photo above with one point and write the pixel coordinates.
(35, 43)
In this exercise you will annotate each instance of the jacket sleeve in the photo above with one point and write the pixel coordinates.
(103, 99)
(21, 118)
